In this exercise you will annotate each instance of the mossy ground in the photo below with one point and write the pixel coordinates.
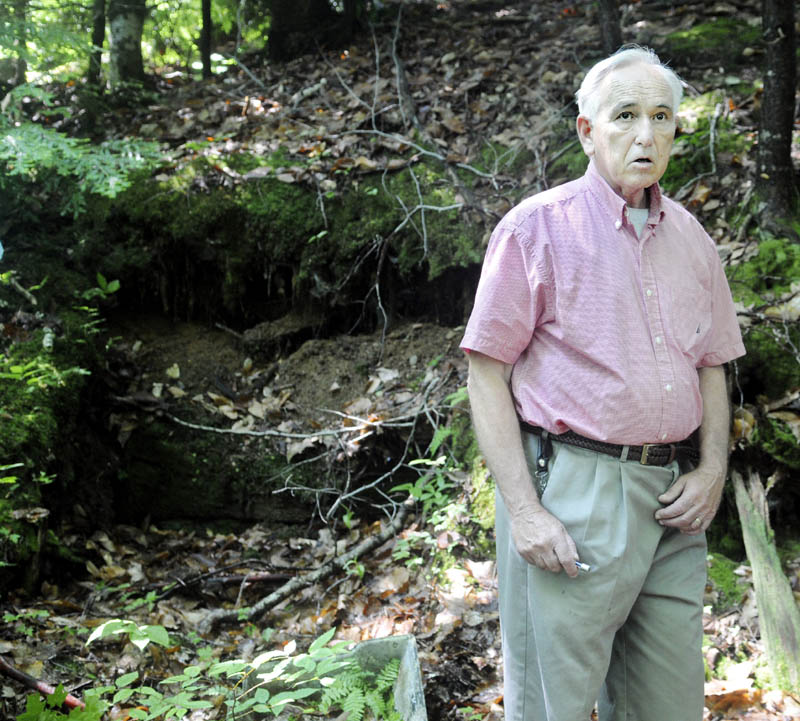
(260, 247)
(722, 39)
(40, 399)
(729, 586)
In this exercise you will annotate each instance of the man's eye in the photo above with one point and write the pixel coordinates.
(660, 116)
(625, 115)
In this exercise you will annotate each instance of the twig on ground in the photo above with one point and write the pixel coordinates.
(6, 669)
(232, 332)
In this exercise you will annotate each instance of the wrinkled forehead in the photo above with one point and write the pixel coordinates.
(636, 85)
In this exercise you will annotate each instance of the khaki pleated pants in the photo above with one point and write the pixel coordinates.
(628, 633)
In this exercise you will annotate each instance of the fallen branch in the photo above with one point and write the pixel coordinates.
(778, 616)
(339, 563)
(35, 684)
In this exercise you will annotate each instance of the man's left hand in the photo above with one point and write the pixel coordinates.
(692, 501)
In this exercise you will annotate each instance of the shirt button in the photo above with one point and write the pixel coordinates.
(658, 340)
(668, 387)
(648, 292)
(618, 224)
(663, 436)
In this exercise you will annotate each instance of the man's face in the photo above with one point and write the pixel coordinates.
(631, 135)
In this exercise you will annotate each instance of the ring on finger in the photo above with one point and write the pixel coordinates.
(697, 521)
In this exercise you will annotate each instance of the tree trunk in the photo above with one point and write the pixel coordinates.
(610, 31)
(776, 173)
(98, 38)
(21, 40)
(778, 615)
(126, 20)
(205, 39)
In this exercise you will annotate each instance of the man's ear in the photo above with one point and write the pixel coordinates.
(584, 128)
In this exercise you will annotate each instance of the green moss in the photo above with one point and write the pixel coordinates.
(775, 437)
(722, 39)
(690, 154)
(437, 239)
(494, 157)
(570, 164)
(170, 234)
(728, 585)
(767, 275)
(770, 364)
(482, 496)
(789, 551)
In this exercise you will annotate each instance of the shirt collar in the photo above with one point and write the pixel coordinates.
(615, 204)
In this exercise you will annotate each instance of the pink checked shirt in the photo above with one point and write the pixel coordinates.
(605, 330)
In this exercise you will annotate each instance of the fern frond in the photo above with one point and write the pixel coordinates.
(355, 705)
(376, 703)
(388, 675)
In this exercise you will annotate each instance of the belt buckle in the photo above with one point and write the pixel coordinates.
(646, 452)
(645, 460)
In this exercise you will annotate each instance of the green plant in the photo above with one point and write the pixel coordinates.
(140, 636)
(355, 568)
(24, 622)
(103, 290)
(323, 679)
(435, 490)
(49, 708)
(431, 488)
(355, 691)
(64, 168)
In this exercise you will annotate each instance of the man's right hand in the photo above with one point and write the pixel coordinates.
(542, 540)
(540, 537)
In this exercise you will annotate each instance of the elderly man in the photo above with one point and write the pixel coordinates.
(596, 347)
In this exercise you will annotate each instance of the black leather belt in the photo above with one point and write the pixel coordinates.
(650, 454)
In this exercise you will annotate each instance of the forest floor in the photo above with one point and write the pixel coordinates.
(172, 577)
(444, 593)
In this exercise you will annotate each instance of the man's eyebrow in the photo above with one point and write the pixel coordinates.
(627, 105)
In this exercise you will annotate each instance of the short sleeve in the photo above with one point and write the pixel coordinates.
(512, 296)
(724, 341)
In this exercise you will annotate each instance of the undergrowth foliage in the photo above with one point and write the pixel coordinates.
(323, 680)
(61, 169)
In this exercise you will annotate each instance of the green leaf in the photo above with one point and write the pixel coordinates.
(127, 679)
(123, 695)
(34, 708)
(56, 699)
(284, 697)
(229, 668)
(321, 641)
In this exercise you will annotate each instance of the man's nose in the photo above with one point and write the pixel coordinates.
(644, 132)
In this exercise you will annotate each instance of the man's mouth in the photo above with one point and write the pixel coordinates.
(643, 161)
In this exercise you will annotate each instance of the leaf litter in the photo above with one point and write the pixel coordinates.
(499, 81)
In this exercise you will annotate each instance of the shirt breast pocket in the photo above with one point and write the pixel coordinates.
(691, 317)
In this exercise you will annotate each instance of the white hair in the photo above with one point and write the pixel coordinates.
(588, 96)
